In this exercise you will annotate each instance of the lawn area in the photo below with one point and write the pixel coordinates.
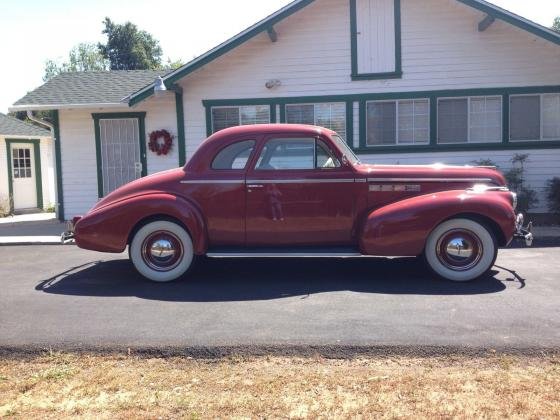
(123, 386)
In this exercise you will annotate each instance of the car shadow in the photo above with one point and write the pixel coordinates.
(225, 280)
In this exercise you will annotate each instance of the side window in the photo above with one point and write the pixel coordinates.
(296, 154)
(288, 153)
(234, 156)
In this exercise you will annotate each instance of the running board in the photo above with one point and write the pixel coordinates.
(285, 253)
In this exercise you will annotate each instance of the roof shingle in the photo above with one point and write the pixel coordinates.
(105, 87)
(10, 126)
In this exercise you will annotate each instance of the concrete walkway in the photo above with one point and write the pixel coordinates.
(31, 229)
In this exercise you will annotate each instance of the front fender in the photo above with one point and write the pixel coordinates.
(401, 228)
(108, 229)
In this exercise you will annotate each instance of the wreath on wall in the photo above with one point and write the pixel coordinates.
(160, 142)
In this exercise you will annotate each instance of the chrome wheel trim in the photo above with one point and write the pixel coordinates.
(459, 249)
(162, 251)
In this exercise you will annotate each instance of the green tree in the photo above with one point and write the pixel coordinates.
(83, 57)
(129, 48)
(556, 24)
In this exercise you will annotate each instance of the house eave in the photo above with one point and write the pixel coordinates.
(24, 137)
(49, 107)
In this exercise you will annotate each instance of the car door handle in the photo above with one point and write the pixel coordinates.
(255, 186)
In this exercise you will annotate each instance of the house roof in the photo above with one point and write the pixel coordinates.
(267, 23)
(88, 88)
(10, 126)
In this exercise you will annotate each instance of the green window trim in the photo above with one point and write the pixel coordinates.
(141, 116)
(38, 173)
(361, 99)
(398, 73)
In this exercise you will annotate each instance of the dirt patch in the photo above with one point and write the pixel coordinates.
(65, 385)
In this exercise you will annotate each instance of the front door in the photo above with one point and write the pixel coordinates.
(121, 160)
(299, 194)
(24, 178)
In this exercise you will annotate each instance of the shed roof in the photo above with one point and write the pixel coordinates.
(89, 88)
(10, 126)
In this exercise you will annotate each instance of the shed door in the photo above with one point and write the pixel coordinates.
(120, 152)
(24, 177)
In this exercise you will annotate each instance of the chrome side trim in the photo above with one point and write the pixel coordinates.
(215, 181)
(297, 255)
(301, 181)
(429, 180)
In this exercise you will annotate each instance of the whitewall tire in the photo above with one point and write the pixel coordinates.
(162, 251)
(460, 250)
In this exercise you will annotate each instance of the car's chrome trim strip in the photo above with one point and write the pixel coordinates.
(296, 255)
(215, 181)
(302, 181)
(429, 180)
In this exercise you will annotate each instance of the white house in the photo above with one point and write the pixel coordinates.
(27, 179)
(403, 81)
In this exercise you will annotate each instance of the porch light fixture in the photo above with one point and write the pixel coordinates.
(274, 83)
(159, 87)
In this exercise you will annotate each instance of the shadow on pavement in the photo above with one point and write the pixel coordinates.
(223, 280)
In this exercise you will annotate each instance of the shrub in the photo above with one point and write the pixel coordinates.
(553, 195)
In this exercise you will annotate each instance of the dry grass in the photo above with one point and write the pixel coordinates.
(63, 385)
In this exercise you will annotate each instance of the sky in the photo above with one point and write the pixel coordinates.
(33, 31)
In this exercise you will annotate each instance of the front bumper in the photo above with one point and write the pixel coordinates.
(523, 232)
(67, 237)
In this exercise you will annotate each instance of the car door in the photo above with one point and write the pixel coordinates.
(299, 194)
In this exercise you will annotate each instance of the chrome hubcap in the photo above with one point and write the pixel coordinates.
(162, 251)
(459, 250)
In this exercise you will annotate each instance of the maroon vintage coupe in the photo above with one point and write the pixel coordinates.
(293, 190)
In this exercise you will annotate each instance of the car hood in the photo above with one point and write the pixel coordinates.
(417, 173)
(166, 181)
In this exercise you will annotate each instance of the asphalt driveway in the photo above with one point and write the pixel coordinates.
(64, 297)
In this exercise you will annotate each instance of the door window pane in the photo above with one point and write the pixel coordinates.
(325, 158)
(21, 163)
(381, 123)
(525, 118)
(453, 121)
(551, 117)
(292, 153)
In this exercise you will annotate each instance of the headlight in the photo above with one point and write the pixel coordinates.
(514, 200)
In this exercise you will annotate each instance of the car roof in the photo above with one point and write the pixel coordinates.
(257, 129)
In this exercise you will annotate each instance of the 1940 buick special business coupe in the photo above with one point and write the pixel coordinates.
(293, 190)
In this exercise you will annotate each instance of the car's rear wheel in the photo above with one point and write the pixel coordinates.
(461, 250)
(162, 251)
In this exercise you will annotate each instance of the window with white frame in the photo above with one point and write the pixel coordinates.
(470, 120)
(535, 117)
(328, 115)
(399, 122)
(232, 116)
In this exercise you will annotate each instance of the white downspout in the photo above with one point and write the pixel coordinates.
(53, 152)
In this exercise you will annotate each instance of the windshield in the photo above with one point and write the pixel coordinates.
(345, 149)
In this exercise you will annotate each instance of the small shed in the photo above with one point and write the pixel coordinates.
(27, 178)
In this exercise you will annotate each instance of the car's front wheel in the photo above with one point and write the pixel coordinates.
(162, 251)
(461, 250)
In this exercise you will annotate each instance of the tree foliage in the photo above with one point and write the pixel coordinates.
(556, 24)
(83, 57)
(129, 48)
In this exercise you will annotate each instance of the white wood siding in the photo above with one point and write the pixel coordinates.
(4, 188)
(375, 24)
(79, 163)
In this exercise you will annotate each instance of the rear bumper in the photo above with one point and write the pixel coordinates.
(523, 232)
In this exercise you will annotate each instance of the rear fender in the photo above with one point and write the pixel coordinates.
(109, 228)
(401, 228)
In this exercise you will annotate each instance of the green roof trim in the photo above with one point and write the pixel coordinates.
(513, 19)
(262, 26)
